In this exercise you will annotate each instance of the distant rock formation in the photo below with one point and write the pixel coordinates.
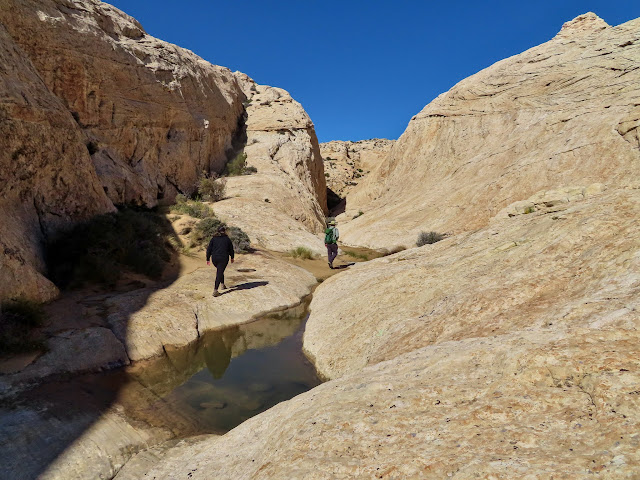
(97, 113)
(563, 113)
(347, 163)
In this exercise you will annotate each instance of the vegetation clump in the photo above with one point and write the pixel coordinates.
(193, 208)
(302, 252)
(101, 249)
(211, 188)
(361, 256)
(18, 319)
(238, 166)
(208, 227)
(426, 238)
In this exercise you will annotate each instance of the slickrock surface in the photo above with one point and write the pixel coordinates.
(79, 434)
(509, 352)
(347, 163)
(283, 205)
(563, 113)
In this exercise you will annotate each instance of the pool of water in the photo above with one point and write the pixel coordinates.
(243, 371)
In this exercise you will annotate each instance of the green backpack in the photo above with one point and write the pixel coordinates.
(329, 235)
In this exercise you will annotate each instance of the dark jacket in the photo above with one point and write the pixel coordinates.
(220, 246)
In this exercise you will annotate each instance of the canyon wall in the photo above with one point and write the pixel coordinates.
(509, 349)
(563, 113)
(98, 113)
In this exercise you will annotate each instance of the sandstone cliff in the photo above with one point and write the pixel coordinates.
(347, 163)
(98, 113)
(283, 204)
(563, 113)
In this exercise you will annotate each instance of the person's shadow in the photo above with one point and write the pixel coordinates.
(245, 286)
(346, 265)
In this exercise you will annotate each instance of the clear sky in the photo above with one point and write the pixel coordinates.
(362, 69)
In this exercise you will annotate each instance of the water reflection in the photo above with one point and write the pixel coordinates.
(245, 371)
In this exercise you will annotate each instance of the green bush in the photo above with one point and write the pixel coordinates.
(302, 252)
(240, 240)
(208, 227)
(212, 189)
(101, 249)
(426, 238)
(238, 166)
(193, 208)
(18, 319)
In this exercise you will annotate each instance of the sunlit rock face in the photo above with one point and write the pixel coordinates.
(560, 114)
(346, 164)
(283, 203)
(154, 115)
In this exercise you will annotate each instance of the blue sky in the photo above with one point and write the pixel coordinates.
(362, 69)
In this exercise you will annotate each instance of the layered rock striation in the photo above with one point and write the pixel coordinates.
(283, 204)
(560, 114)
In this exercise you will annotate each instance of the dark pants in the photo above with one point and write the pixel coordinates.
(220, 264)
(332, 251)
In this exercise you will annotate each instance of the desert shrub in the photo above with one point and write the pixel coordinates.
(426, 238)
(204, 230)
(18, 319)
(238, 166)
(359, 214)
(240, 240)
(302, 252)
(208, 227)
(101, 249)
(212, 189)
(361, 256)
(193, 208)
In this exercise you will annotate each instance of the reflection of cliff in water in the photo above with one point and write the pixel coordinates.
(209, 386)
(231, 375)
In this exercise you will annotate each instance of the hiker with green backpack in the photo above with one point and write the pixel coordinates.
(331, 236)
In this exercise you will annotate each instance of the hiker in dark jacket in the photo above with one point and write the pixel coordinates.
(219, 250)
(331, 236)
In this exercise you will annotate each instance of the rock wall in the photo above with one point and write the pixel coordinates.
(283, 205)
(348, 163)
(155, 115)
(563, 113)
(46, 174)
(98, 113)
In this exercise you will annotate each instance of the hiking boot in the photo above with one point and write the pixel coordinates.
(330, 265)
(216, 293)
(223, 286)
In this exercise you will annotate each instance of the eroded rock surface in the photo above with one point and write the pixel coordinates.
(283, 204)
(560, 114)
(347, 163)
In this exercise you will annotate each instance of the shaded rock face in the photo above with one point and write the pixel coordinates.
(154, 115)
(563, 113)
(347, 163)
(46, 175)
